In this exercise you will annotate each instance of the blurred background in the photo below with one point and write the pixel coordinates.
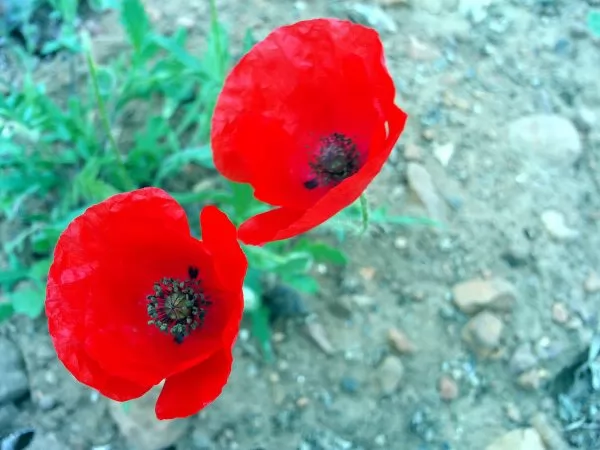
(467, 316)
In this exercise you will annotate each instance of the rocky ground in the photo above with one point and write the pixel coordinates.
(481, 334)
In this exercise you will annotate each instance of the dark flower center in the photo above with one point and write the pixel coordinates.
(178, 307)
(336, 160)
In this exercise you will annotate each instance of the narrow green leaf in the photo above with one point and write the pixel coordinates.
(106, 81)
(179, 53)
(249, 41)
(217, 57)
(136, 22)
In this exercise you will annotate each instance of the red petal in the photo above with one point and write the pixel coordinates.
(302, 83)
(69, 347)
(188, 392)
(284, 223)
(106, 262)
(230, 264)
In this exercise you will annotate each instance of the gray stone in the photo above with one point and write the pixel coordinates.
(421, 183)
(13, 379)
(520, 439)
(550, 137)
(523, 359)
(390, 375)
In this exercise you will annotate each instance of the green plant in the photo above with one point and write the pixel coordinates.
(59, 156)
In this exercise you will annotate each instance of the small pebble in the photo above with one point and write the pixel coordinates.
(560, 313)
(390, 374)
(532, 379)
(400, 341)
(302, 402)
(428, 134)
(274, 377)
(380, 440)
(401, 243)
(522, 359)
(483, 333)
(349, 385)
(448, 388)
(278, 337)
(443, 153)
(556, 225)
(513, 413)
(592, 283)
(46, 402)
(413, 152)
(186, 22)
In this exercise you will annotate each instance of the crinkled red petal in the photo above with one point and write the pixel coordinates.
(220, 238)
(69, 347)
(188, 392)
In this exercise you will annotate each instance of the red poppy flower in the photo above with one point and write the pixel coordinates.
(133, 299)
(308, 118)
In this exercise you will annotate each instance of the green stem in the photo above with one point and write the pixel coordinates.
(214, 23)
(364, 211)
(123, 174)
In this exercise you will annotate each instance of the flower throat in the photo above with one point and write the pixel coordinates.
(336, 160)
(178, 307)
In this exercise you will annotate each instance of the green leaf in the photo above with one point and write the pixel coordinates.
(28, 301)
(303, 283)
(178, 52)
(593, 22)
(106, 81)
(262, 332)
(249, 41)
(253, 281)
(322, 252)
(39, 270)
(295, 263)
(9, 277)
(175, 162)
(241, 200)
(217, 57)
(136, 23)
(6, 311)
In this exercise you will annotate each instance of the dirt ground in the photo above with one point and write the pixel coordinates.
(503, 148)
